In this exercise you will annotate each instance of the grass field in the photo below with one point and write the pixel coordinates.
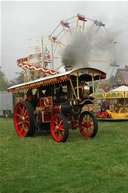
(41, 165)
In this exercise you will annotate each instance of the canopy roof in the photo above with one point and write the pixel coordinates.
(124, 74)
(120, 92)
(85, 74)
(121, 88)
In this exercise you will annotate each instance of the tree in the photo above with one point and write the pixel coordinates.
(111, 81)
(19, 79)
(3, 82)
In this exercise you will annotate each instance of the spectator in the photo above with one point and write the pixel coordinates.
(105, 105)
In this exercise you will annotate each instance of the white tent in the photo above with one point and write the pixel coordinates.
(121, 88)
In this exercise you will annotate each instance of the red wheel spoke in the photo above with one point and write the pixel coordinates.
(26, 116)
(23, 128)
(61, 128)
(56, 122)
(62, 132)
(86, 130)
(60, 136)
(26, 121)
(18, 115)
(24, 109)
(61, 122)
(21, 110)
(25, 112)
(19, 123)
(91, 129)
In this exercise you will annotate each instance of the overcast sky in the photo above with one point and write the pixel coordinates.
(21, 21)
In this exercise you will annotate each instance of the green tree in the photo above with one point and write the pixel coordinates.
(111, 81)
(19, 79)
(3, 82)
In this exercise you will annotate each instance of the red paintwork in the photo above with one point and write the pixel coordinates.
(86, 125)
(20, 114)
(46, 116)
(21, 63)
(102, 115)
(57, 128)
(46, 101)
(57, 109)
(73, 122)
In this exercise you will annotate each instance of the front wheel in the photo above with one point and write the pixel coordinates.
(88, 124)
(24, 119)
(59, 127)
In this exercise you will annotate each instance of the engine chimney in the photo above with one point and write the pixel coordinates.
(68, 68)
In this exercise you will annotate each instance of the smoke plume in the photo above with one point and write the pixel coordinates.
(76, 53)
(100, 46)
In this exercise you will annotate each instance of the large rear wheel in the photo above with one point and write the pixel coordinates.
(59, 127)
(88, 124)
(24, 119)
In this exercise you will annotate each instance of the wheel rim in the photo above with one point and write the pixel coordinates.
(57, 128)
(86, 123)
(21, 120)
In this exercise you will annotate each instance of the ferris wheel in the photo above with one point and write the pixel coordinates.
(67, 32)
(49, 57)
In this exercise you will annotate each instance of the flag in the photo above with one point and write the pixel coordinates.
(47, 53)
(81, 17)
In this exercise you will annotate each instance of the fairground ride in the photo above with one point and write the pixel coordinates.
(47, 59)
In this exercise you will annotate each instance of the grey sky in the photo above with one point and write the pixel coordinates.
(21, 21)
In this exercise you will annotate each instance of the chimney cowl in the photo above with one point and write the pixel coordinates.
(68, 68)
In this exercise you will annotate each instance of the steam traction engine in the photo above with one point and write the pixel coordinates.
(55, 103)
